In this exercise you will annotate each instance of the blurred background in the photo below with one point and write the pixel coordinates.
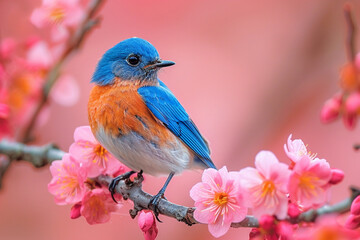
(249, 74)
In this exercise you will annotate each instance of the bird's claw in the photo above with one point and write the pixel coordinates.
(116, 180)
(140, 174)
(154, 202)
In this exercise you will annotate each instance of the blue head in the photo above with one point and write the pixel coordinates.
(131, 59)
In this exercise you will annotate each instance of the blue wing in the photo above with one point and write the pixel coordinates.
(164, 105)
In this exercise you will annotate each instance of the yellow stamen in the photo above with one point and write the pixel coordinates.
(221, 198)
(57, 15)
(100, 151)
(307, 181)
(268, 187)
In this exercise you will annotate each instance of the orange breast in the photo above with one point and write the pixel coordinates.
(119, 109)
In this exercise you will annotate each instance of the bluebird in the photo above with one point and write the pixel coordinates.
(138, 119)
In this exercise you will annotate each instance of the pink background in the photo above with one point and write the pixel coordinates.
(248, 72)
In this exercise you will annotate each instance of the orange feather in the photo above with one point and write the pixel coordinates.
(119, 109)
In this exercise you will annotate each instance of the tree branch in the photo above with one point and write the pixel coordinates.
(73, 44)
(350, 38)
(133, 190)
(341, 207)
(39, 156)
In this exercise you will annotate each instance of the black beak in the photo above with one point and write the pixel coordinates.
(159, 64)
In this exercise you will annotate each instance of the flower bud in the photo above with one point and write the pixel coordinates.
(267, 222)
(353, 221)
(75, 211)
(147, 224)
(330, 110)
(355, 206)
(337, 176)
(293, 210)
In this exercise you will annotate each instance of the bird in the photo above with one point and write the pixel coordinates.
(138, 119)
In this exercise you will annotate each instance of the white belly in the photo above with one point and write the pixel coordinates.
(139, 154)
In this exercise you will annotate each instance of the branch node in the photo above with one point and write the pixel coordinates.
(133, 213)
(188, 218)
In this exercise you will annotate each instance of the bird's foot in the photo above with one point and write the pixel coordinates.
(116, 180)
(154, 202)
(140, 174)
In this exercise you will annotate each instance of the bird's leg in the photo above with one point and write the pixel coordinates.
(116, 180)
(154, 202)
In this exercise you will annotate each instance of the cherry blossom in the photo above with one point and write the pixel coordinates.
(61, 12)
(219, 200)
(325, 227)
(68, 180)
(88, 151)
(308, 184)
(267, 185)
(61, 15)
(296, 149)
(97, 206)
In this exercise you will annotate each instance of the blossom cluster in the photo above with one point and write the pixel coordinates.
(72, 178)
(73, 182)
(25, 65)
(274, 192)
(345, 103)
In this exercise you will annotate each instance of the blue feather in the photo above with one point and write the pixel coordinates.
(113, 62)
(164, 105)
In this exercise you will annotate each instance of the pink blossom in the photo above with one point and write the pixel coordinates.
(267, 185)
(75, 211)
(271, 229)
(295, 149)
(67, 184)
(40, 55)
(66, 91)
(219, 200)
(308, 185)
(97, 205)
(147, 224)
(88, 151)
(355, 206)
(331, 109)
(326, 227)
(68, 13)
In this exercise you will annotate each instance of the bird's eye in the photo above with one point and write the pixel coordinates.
(133, 60)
